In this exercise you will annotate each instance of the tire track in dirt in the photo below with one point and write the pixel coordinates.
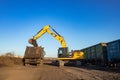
(47, 72)
(43, 72)
(88, 74)
(84, 74)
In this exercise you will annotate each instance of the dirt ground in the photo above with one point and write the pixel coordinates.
(48, 72)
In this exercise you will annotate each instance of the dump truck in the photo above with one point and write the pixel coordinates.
(33, 55)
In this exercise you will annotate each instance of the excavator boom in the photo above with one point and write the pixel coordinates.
(52, 32)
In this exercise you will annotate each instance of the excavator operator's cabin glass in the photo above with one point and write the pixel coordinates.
(61, 52)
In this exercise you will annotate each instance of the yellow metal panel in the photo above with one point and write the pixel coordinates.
(76, 55)
(104, 44)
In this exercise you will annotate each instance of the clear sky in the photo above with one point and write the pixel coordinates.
(82, 23)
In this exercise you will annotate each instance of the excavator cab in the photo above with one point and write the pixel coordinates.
(63, 52)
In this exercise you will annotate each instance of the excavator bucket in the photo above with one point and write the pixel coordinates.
(33, 42)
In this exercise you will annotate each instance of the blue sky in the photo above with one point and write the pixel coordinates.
(81, 22)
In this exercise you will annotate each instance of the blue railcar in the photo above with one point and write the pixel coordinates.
(113, 51)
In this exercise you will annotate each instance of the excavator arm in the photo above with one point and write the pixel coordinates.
(52, 32)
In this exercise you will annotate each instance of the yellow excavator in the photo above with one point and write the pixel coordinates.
(75, 56)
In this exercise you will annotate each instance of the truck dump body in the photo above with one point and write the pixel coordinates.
(34, 52)
(33, 55)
